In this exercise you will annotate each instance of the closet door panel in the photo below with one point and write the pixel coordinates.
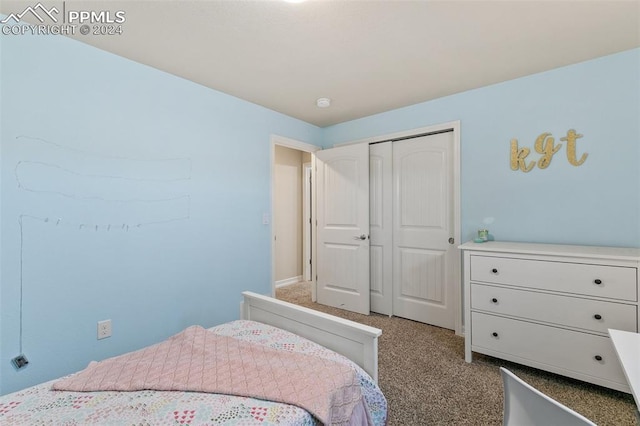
(423, 221)
(381, 226)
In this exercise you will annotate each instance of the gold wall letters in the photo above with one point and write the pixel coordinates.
(571, 138)
(518, 157)
(546, 146)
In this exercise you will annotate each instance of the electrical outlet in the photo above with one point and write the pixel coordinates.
(20, 362)
(104, 329)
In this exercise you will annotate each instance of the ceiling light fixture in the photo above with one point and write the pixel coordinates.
(323, 102)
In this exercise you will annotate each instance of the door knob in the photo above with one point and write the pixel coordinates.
(361, 237)
(451, 240)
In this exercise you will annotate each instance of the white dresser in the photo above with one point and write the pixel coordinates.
(549, 306)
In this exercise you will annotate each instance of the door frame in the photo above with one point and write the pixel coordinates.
(437, 128)
(307, 241)
(276, 140)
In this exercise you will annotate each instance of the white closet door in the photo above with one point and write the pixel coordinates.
(381, 226)
(342, 195)
(423, 289)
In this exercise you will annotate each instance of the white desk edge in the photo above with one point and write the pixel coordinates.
(627, 346)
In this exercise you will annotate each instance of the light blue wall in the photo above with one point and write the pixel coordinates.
(597, 203)
(88, 138)
(83, 133)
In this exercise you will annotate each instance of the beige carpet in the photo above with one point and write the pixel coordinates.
(427, 382)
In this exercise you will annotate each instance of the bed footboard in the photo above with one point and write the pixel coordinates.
(357, 342)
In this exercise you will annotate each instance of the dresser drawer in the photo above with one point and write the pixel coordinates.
(568, 350)
(612, 282)
(586, 314)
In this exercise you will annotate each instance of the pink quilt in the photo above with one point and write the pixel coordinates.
(198, 360)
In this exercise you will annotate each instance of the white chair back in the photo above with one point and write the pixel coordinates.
(524, 405)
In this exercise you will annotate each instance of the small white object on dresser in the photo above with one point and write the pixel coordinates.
(549, 306)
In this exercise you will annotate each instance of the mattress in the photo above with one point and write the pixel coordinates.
(41, 405)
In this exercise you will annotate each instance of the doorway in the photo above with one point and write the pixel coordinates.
(290, 205)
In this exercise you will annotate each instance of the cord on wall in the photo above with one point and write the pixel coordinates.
(39, 183)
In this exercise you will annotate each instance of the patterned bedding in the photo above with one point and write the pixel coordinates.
(41, 405)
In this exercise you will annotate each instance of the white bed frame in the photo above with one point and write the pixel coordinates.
(357, 342)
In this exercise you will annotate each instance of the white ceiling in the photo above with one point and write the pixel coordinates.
(367, 56)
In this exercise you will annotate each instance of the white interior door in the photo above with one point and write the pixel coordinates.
(342, 206)
(423, 286)
(381, 226)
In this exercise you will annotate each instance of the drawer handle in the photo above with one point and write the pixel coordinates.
(598, 316)
(494, 270)
(597, 281)
(494, 300)
(598, 358)
(494, 334)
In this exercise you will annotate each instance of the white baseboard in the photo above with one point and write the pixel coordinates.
(288, 281)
